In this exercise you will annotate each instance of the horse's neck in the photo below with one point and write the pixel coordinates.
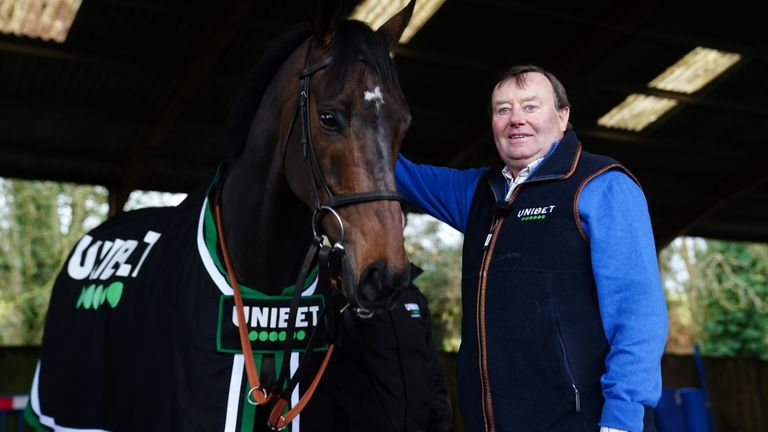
(267, 229)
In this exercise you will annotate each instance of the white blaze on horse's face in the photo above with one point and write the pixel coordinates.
(376, 96)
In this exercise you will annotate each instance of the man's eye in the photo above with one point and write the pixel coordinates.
(328, 121)
(530, 108)
(503, 110)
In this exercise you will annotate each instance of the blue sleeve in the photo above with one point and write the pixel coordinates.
(615, 217)
(441, 192)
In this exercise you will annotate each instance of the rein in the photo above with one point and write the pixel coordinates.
(334, 269)
(258, 395)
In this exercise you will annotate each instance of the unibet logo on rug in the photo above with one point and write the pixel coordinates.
(267, 324)
(102, 260)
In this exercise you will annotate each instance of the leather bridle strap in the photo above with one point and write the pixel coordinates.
(357, 198)
(306, 138)
(327, 270)
(313, 168)
(279, 421)
(257, 395)
(316, 245)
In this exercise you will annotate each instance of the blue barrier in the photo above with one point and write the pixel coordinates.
(686, 409)
(682, 410)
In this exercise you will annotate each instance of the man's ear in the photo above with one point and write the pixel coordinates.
(328, 14)
(395, 26)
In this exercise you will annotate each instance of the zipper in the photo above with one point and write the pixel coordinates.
(487, 403)
(488, 244)
(568, 371)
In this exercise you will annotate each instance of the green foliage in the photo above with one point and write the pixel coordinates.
(735, 309)
(39, 224)
(438, 252)
(717, 294)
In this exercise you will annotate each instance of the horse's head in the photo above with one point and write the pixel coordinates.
(340, 157)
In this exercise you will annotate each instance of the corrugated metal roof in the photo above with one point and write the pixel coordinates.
(143, 75)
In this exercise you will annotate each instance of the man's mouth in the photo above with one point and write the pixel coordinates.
(517, 136)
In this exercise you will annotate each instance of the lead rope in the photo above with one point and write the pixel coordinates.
(257, 395)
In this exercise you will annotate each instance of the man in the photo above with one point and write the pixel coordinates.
(564, 319)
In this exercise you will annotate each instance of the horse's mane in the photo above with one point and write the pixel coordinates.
(252, 90)
(353, 41)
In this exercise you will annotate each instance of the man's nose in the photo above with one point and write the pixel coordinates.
(516, 117)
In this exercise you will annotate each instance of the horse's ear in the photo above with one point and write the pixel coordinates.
(328, 14)
(391, 30)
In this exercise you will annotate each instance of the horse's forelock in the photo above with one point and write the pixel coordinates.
(355, 41)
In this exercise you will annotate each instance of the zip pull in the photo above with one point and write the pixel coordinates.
(578, 398)
(488, 238)
(491, 232)
(500, 211)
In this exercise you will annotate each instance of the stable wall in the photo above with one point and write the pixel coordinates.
(738, 388)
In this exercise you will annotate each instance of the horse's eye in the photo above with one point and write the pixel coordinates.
(328, 121)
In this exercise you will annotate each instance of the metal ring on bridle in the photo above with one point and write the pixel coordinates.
(250, 398)
(330, 210)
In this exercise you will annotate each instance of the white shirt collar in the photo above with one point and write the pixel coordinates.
(522, 176)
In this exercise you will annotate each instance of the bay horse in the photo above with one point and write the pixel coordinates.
(153, 311)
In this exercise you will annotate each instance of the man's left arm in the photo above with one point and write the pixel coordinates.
(615, 217)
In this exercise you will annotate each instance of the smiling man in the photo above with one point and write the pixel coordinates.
(564, 318)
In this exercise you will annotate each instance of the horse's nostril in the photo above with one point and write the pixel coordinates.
(379, 287)
(373, 281)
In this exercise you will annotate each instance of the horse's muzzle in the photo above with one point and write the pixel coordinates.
(380, 287)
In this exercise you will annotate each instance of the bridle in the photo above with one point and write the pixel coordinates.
(334, 268)
(338, 259)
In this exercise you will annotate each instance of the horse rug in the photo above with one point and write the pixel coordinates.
(141, 334)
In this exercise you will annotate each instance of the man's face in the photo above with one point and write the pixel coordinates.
(526, 120)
